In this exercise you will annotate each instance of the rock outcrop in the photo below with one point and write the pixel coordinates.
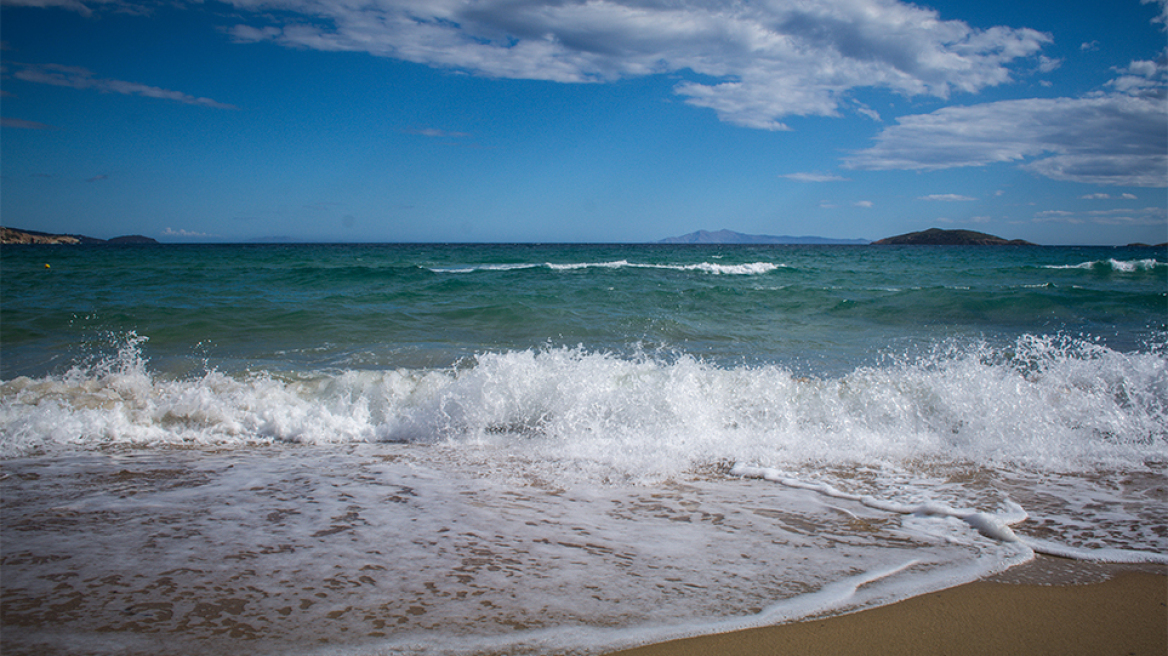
(938, 237)
(15, 236)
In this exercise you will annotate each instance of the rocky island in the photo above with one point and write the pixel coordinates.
(15, 236)
(938, 237)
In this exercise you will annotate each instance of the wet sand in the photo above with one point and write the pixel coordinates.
(1125, 613)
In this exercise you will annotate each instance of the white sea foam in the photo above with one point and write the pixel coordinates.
(1124, 266)
(585, 496)
(486, 267)
(1047, 403)
(430, 556)
(1051, 405)
(995, 526)
(751, 268)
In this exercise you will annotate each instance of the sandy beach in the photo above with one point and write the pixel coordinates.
(1125, 613)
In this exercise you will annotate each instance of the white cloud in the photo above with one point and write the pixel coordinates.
(171, 232)
(1046, 64)
(80, 78)
(1089, 46)
(758, 62)
(864, 110)
(433, 132)
(23, 124)
(1108, 197)
(72, 5)
(1144, 78)
(1163, 17)
(863, 203)
(1128, 217)
(946, 197)
(814, 177)
(1119, 137)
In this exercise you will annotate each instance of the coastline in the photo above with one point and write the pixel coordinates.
(1051, 606)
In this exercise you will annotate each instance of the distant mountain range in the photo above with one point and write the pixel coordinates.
(731, 237)
(930, 237)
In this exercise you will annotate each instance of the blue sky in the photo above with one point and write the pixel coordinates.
(584, 120)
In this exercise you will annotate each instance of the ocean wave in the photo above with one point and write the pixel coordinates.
(1074, 432)
(751, 268)
(1046, 402)
(485, 267)
(1121, 266)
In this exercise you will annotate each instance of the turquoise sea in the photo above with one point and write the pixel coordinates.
(463, 449)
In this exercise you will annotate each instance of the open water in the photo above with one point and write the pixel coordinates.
(459, 449)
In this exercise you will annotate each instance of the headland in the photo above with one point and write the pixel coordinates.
(17, 236)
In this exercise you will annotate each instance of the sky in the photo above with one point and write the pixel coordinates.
(584, 120)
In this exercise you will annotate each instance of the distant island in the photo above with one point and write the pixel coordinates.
(938, 237)
(930, 237)
(731, 237)
(15, 236)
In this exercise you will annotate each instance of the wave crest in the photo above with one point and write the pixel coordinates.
(1047, 402)
(1112, 264)
(751, 268)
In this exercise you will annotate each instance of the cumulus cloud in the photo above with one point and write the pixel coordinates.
(1117, 136)
(1144, 78)
(946, 197)
(814, 177)
(80, 78)
(752, 63)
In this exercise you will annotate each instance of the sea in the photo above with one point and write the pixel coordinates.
(429, 449)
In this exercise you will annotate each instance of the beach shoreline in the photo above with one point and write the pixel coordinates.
(456, 450)
(1048, 606)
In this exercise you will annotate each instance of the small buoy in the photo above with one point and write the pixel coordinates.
(46, 266)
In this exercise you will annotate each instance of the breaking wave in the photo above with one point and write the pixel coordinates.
(1046, 402)
(1121, 266)
(751, 268)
